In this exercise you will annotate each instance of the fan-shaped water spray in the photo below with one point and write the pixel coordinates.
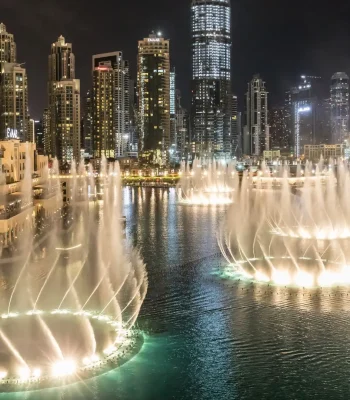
(74, 286)
(296, 233)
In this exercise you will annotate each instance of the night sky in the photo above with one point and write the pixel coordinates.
(280, 39)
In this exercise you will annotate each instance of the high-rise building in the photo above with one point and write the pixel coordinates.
(236, 129)
(183, 144)
(339, 107)
(61, 68)
(61, 61)
(211, 76)
(31, 130)
(14, 116)
(278, 123)
(110, 103)
(66, 120)
(39, 136)
(7, 47)
(153, 83)
(258, 133)
(173, 138)
(306, 113)
(88, 121)
(133, 142)
(46, 128)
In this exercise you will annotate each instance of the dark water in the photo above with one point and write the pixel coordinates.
(210, 338)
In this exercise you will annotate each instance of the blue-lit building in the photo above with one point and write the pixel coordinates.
(211, 77)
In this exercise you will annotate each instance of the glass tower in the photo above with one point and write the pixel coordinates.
(340, 107)
(211, 77)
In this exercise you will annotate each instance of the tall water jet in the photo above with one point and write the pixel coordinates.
(208, 182)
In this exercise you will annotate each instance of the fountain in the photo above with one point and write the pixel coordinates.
(71, 295)
(294, 234)
(207, 183)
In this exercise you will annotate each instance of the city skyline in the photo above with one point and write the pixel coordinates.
(301, 49)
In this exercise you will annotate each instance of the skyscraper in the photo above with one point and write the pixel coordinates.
(7, 46)
(14, 116)
(258, 133)
(110, 103)
(236, 129)
(66, 120)
(173, 139)
(306, 113)
(183, 145)
(39, 136)
(153, 84)
(339, 107)
(88, 121)
(211, 76)
(61, 61)
(62, 132)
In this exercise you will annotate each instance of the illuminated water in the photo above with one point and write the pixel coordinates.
(211, 338)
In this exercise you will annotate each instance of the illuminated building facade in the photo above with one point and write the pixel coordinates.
(88, 121)
(173, 132)
(14, 116)
(278, 123)
(39, 136)
(339, 107)
(104, 138)
(110, 105)
(236, 129)
(61, 67)
(306, 113)
(211, 77)
(66, 120)
(7, 46)
(183, 142)
(258, 130)
(153, 85)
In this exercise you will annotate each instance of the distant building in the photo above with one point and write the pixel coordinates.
(14, 114)
(31, 130)
(307, 113)
(339, 103)
(39, 136)
(110, 105)
(46, 127)
(211, 77)
(279, 132)
(66, 120)
(271, 154)
(173, 130)
(236, 129)
(88, 123)
(153, 83)
(62, 69)
(7, 46)
(327, 151)
(183, 145)
(257, 132)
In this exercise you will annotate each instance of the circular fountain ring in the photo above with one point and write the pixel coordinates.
(127, 343)
(308, 275)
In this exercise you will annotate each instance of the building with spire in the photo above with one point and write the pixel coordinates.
(63, 137)
(211, 77)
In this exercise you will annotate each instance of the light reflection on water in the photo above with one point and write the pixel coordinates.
(213, 338)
